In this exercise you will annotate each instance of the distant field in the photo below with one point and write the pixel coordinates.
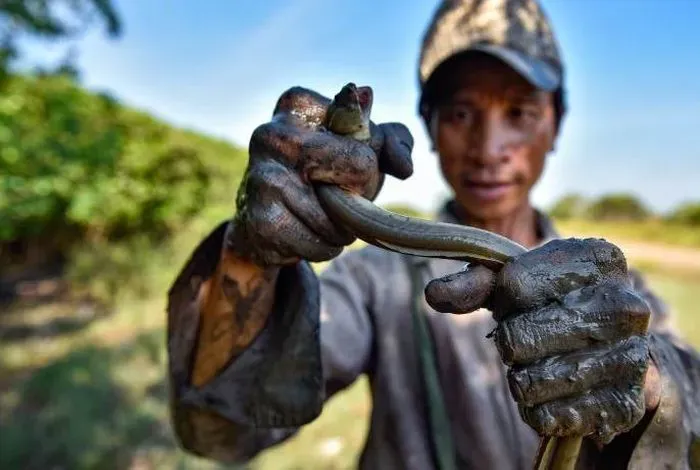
(85, 392)
(649, 231)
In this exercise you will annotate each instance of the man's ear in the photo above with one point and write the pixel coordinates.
(555, 139)
(430, 122)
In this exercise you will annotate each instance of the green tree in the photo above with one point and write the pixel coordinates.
(569, 206)
(618, 206)
(78, 168)
(686, 214)
(50, 20)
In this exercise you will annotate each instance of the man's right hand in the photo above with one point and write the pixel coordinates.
(279, 219)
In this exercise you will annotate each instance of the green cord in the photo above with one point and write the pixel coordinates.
(439, 422)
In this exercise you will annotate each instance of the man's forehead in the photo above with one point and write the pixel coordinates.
(489, 76)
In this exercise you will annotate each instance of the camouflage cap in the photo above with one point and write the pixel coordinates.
(516, 31)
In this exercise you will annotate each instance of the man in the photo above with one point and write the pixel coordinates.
(556, 343)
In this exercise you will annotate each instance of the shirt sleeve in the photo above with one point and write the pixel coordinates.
(317, 340)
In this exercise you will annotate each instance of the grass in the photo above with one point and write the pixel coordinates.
(84, 390)
(655, 231)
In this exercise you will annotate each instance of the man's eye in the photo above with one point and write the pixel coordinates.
(524, 114)
(460, 113)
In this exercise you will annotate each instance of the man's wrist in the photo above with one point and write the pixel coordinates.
(240, 243)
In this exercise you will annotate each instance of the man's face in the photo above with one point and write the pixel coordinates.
(492, 135)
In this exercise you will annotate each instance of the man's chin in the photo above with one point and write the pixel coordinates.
(487, 209)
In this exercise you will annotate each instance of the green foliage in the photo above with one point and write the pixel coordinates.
(617, 206)
(686, 214)
(569, 206)
(79, 169)
(613, 207)
(79, 160)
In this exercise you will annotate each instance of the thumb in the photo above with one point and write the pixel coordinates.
(461, 292)
(393, 143)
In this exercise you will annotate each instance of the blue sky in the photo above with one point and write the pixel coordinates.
(219, 65)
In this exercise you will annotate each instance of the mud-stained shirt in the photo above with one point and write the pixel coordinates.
(354, 318)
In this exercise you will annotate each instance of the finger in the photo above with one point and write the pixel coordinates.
(270, 180)
(461, 292)
(277, 140)
(585, 318)
(304, 105)
(281, 236)
(339, 160)
(603, 413)
(563, 376)
(304, 204)
(560, 266)
(317, 156)
(393, 143)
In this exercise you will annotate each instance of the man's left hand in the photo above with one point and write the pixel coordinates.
(571, 330)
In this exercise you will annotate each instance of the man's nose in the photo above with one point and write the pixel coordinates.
(497, 140)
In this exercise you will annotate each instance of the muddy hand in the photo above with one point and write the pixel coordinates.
(571, 330)
(279, 219)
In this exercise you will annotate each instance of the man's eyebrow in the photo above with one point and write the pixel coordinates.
(462, 99)
(462, 96)
(529, 96)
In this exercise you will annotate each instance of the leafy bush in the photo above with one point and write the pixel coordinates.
(617, 206)
(686, 214)
(79, 168)
(569, 206)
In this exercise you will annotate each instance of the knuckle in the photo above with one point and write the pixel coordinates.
(520, 385)
(634, 309)
(628, 407)
(363, 161)
(615, 411)
(608, 256)
(276, 140)
(635, 355)
(540, 419)
(569, 420)
(306, 104)
(258, 181)
(259, 139)
(639, 346)
(636, 305)
(557, 419)
(516, 286)
(289, 99)
(505, 344)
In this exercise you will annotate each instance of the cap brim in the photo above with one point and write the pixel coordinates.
(539, 73)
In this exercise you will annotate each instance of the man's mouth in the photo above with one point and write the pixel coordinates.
(488, 190)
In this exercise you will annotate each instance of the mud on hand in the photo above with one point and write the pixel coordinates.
(571, 330)
(279, 219)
